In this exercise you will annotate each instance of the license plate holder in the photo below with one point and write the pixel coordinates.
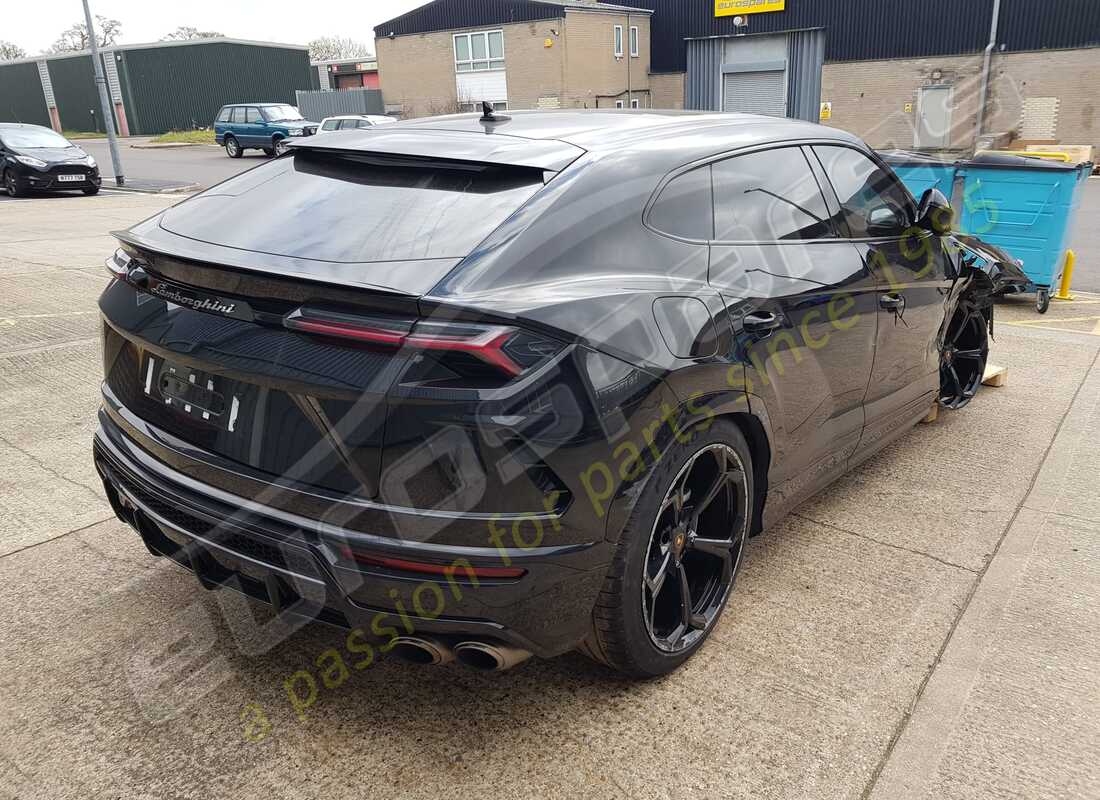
(71, 178)
(191, 392)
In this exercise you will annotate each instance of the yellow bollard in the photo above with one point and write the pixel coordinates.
(1067, 277)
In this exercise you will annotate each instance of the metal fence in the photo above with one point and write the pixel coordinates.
(318, 105)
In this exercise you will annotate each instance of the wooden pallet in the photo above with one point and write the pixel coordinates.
(994, 376)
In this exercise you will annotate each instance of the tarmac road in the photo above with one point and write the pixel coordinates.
(204, 165)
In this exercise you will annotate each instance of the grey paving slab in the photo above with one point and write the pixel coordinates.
(828, 637)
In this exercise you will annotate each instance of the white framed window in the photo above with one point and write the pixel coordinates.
(634, 51)
(635, 103)
(618, 41)
(480, 51)
(468, 108)
(619, 104)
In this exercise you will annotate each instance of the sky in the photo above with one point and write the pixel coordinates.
(34, 26)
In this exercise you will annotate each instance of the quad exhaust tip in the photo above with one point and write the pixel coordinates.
(423, 650)
(486, 657)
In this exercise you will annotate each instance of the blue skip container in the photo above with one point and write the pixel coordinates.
(1024, 205)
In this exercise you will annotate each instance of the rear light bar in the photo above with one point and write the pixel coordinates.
(485, 342)
(424, 568)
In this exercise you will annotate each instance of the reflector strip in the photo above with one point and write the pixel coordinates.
(430, 569)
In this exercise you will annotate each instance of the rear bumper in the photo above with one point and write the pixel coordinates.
(299, 565)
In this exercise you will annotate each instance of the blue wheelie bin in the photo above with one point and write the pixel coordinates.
(921, 172)
(1026, 206)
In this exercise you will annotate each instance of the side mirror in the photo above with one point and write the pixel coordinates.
(884, 221)
(935, 213)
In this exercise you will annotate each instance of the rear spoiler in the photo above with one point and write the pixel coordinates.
(551, 155)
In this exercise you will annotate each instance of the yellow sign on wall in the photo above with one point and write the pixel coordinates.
(733, 8)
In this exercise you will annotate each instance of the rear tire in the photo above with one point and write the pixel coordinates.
(233, 148)
(641, 624)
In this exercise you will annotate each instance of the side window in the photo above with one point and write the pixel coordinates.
(364, 123)
(685, 207)
(330, 125)
(225, 114)
(238, 115)
(253, 116)
(872, 201)
(349, 124)
(768, 196)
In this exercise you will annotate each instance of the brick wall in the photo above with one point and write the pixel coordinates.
(578, 70)
(594, 78)
(869, 97)
(668, 90)
(1073, 76)
(417, 73)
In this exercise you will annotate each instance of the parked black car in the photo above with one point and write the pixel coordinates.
(482, 388)
(36, 158)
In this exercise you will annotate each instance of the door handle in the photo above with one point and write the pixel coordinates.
(761, 323)
(892, 302)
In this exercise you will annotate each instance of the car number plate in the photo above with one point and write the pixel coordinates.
(71, 178)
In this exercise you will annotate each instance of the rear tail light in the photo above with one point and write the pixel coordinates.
(506, 349)
(119, 264)
(426, 568)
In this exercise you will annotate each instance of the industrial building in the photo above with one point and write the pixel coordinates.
(153, 87)
(905, 74)
(346, 73)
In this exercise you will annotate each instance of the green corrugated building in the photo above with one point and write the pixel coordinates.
(154, 87)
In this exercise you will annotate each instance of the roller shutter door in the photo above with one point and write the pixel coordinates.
(755, 93)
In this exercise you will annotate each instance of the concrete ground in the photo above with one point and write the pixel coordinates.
(928, 627)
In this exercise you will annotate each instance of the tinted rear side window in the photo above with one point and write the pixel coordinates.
(356, 209)
(330, 125)
(238, 114)
(225, 114)
(685, 207)
(768, 196)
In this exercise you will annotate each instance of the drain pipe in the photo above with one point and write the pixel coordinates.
(983, 91)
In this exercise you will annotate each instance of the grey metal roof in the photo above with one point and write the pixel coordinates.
(150, 45)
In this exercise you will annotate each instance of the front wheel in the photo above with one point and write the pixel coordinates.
(678, 556)
(13, 185)
(90, 190)
(1042, 301)
(281, 147)
(233, 147)
(963, 355)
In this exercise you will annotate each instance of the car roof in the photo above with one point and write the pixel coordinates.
(552, 139)
(11, 125)
(230, 105)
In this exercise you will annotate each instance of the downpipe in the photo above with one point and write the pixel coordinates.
(423, 650)
(983, 89)
(486, 657)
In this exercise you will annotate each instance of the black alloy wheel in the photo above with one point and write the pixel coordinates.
(694, 549)
(12, 185)
(676, 562)
(963, 355)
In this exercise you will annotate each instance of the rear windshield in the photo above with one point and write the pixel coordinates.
(356, 209)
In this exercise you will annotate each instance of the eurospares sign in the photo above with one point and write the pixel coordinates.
(732, 8)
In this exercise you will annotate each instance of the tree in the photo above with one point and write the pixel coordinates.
(184, 32)
(75, 38)
(10, 52)
(330, 48)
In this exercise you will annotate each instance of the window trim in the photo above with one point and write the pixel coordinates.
(635, 42)
(488, 60)
(619, 42)
(710, 160)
